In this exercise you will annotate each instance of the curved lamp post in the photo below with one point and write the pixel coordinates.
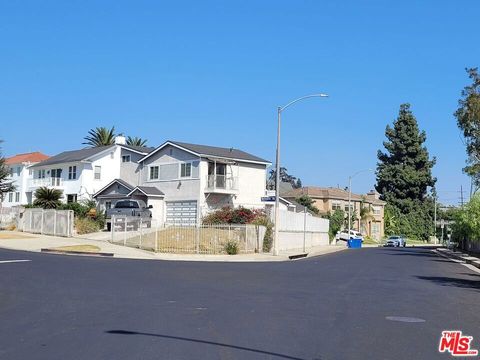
(350, 197)
(277, 171)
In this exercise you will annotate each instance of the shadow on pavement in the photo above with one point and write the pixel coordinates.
(126, 332)
(449, 281)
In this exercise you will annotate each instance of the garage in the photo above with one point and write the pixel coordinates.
(183, 213)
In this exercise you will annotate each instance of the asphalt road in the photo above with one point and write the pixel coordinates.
(330, 307)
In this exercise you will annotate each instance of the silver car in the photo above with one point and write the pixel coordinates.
(396, 241)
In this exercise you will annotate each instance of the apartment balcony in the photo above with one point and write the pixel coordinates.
(222, 184)
(48, 182)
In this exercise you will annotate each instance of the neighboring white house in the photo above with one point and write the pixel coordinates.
(20, 171)
(183, 182)
(82, 173)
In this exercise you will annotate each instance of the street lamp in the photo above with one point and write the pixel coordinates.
(277, 169)
(350, 197)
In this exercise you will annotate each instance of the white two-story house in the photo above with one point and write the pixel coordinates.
(183, 182)
(20, 171)
(82, 173)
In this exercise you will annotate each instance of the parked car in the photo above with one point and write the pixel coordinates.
(132, 210)
(343, 235)
(396, 241)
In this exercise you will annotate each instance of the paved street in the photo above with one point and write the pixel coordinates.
(330, 307)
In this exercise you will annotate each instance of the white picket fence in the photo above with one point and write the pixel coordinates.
(47, 222)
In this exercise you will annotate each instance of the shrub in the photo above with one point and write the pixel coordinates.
(228, 215)
(264, 220)
(86, 225)
(231, 247)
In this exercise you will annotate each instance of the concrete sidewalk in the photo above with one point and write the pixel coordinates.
(35, 242)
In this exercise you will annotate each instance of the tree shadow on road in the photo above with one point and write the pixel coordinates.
(450, 281)
(179, 338)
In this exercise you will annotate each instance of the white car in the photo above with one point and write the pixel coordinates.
(344, 235)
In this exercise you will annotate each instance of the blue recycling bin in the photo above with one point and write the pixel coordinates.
(354, 243)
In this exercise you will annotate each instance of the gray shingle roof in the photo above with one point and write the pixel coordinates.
(150, 190)
(229, 153)
(73, 156)
(142, 149)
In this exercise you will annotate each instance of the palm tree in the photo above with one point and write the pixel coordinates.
(365, 215)
(100, 136)
(47, 198)
(136, 141)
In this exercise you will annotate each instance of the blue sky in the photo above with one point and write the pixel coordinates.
(215, 72)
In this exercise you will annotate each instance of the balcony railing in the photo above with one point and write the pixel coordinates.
(222, 184)
(49, 182)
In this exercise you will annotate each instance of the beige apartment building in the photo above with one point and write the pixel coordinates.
(330, 199)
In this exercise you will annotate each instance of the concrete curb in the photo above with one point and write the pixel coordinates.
(71, 252)
(459, 256)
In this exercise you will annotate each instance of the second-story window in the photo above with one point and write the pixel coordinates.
(376, 210)
(186, 170)
(10, 197)
(11, 171)
(41, 174)
(72, 172)
(125, 158)
(19, 169)
(98, 173)
(17, 197)
(336, 206)
(153, 173)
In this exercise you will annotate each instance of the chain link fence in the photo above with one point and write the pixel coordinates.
(47, 222)
(203, 239)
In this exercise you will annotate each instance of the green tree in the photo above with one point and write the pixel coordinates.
(466, 226)
(366, 214)
(136, 141)
(100, 136)
(47, 198)
(308, 202)
(468, 120)
(284, 177)
(336, 222)
(404, 173)
(6, 185)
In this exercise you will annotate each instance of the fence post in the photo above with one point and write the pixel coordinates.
(304, 226)
(55, 223)
(197, 238)
(246, 239)
(125, 232)
(156, 238)
(112, 228)
(140, 227)
(41, 224)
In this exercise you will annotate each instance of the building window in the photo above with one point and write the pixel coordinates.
(375, 228)
(41, 174)
(125, 158)
(17, 197)
(98, 173)
(376, 210)
(153, 173)
(71, 198)
(19, 169)
(72, 172)
(10, 197)
(186, 170)
(30, 172)
(336, 206)
(11, 171)
(108, 205)
(346, 207)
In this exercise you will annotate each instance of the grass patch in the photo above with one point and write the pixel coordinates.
(84, 248)
(11, 236)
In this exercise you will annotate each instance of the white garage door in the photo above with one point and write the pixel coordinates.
(181, 212)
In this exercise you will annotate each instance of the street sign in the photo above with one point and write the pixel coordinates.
(268, 198)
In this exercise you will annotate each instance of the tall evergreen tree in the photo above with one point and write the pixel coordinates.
(404, 173)
(468, 120)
